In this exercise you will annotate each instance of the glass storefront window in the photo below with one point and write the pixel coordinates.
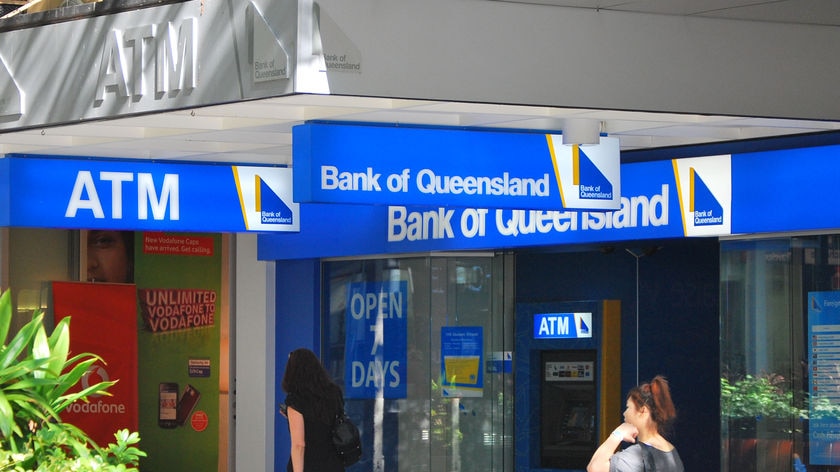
(421, 419)
(780, 354)
(37, 256)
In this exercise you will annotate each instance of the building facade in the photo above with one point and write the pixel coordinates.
(421, 309)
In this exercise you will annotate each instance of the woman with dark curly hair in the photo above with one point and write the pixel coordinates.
(648, 416)
(312, 402)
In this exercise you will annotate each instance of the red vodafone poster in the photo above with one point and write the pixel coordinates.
(102, 322)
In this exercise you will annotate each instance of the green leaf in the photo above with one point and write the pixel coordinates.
(13, 350)
(100, 388)
(5, 314)
(21, 369)
(7, 416)
(71, 378)
(59, 343)
(41, 349)
(29, 384)
(36, 407)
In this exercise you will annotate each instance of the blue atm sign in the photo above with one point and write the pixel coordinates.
(145, 196)
(562, 325)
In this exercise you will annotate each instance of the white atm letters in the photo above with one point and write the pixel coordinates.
(86, 197)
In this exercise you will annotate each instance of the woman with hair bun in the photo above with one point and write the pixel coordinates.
(312, 402)
(649, 414)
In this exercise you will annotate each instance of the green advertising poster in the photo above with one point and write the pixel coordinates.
(178, 278)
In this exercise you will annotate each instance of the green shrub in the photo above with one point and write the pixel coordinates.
(757, 397)
(36, 377)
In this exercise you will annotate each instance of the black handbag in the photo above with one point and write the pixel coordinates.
(347, 440)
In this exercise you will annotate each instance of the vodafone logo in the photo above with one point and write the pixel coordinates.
(94, 375)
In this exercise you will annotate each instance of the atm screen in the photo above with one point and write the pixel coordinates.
(568, 408)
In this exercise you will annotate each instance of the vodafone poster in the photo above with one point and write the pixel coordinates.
(179, 332)
(102, 322)
(151, 310)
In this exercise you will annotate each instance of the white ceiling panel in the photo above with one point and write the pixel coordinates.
(812, 12)
(260, 132)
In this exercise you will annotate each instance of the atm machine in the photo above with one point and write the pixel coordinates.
(568, 388)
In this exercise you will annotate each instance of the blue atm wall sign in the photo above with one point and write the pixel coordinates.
(562, 325)
(53, 192)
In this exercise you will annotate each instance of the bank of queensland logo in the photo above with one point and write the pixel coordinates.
(589, 177)
(265, 195)
(705, 190)
(815, 305)
(583, 322)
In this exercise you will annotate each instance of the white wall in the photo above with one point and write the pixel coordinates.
(253, 324)
(499, 52)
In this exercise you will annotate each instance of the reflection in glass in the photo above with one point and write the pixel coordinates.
(771, 420)
(426, 430)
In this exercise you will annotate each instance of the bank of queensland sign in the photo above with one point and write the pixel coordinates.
(370, 164)
(138, 195)
(660, 200)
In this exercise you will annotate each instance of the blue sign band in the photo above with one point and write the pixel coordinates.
(143, 195)
(650, 210)
(381, 165)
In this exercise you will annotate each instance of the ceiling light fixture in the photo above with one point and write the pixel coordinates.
(581, 131)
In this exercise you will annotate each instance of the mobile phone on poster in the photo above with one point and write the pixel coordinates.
(187, 403)
(168, 405)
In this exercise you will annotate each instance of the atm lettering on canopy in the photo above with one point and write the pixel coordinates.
(91, 193)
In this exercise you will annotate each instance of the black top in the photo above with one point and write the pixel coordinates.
(319, 454)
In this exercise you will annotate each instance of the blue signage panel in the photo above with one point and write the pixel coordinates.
(386, 165)
(824, 355)
(142, 195)
(375, 355)
(5, 181)
(650, 209)
(500, 362)
(562, 325)
(787, 190)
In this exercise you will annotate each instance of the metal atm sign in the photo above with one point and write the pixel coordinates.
(562, 325)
